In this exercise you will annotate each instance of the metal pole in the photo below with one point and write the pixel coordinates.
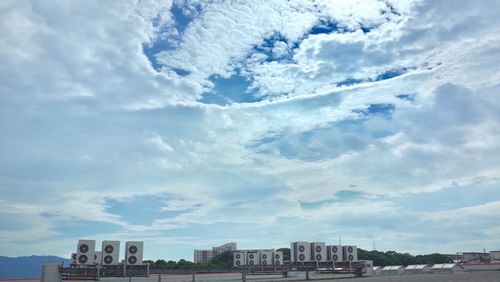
(194, 278)
(130, 279)
(307, 274)
(147, 270)
(244, 275)
(159, 277)
(98, 272)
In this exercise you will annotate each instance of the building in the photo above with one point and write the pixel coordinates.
(495, 256)
(207, 255)
(476, 257)
(224, 248)
(203, 255)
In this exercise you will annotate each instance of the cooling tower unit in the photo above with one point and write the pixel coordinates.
(300, 251)
(85, 252)
(335, 253)
(252, 258)
(350, 253)
(318, 252)
(266, 257)
(133, 252)
(238, 258)
(97, 257)
(74, 257)
(277, 258)
(110, 252)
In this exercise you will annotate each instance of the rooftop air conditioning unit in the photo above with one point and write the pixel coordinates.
(335, 253)
(300, 251)
(74, 257)
(85, 252)
(134, 252)
(239, 258)
(266, 257)
(277, 258)
(252, 258)
(110, 252)
(350, 253)
(97, 257)
(318, 252)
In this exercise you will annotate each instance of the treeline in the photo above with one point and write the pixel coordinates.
(395, 258)
(225, 260)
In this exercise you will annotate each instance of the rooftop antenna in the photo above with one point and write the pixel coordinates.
(374, 248)
(340, 241)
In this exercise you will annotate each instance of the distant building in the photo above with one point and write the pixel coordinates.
(475, 257)
(203, 255)
(495, 256)
(224, 248)
(207, 255)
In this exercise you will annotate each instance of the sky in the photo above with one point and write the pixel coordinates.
(188, 124)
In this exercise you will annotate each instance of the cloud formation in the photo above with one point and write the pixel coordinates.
(188, 124)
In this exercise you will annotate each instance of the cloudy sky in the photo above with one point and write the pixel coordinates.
(191, 123)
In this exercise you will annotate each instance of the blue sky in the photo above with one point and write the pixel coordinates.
(188, 124)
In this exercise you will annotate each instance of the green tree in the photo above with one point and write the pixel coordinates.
(160, 263)
(395, 258)
(171, 264)
(184, 264)
(150, 262)
(223, 260)
(432, 259)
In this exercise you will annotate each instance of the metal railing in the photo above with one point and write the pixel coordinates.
(142, 273)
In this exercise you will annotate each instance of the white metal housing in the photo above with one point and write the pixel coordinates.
(277, 258)
(252, 258)
(133, 252)
(266, 257)
(51, 272)
(97, 257)
(239, 258)
(350, 253)
(335, 253)
(300, 251)
(74, 257)
(110, 252)
(318, 251)
(85, 252)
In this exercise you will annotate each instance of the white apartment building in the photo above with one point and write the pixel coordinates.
(207, 255)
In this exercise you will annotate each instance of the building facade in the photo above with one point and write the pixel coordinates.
(495, 256)
(207, 255)
(476, 257)
(203, 255)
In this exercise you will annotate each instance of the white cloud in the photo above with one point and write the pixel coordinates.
(158, 143)
(70, 144)
(102, 58)
(245, 25)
